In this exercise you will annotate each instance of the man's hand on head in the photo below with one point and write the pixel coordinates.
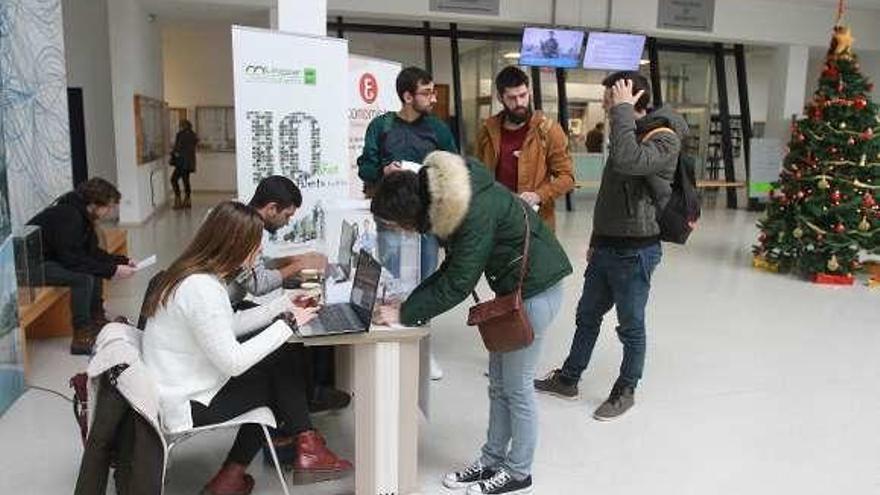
(622, 92)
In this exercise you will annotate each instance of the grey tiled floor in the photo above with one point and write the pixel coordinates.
(755, 384)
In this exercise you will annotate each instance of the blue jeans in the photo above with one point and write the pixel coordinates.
(621, 278)
(513, 412)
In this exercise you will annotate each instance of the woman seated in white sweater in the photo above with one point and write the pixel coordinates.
(206, 376)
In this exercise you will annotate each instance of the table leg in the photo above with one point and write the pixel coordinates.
(386, 385)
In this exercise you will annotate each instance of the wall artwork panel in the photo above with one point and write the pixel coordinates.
(33, 100)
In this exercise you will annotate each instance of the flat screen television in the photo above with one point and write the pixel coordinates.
(613, 51)
(551, 47)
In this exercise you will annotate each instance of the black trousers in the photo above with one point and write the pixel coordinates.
(277, 382)
(178, 175)
(320, 361)
(86, 291)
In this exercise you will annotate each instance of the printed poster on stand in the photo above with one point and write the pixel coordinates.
(290, 120)
(372, 92)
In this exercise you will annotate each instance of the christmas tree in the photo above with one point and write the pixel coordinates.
(823, 212)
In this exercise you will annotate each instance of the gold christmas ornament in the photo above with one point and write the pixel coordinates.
(842, 41)
(833, 264)
(864, 225)
(797, 233)
(823, 183)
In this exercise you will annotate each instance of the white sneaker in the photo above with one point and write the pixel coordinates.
(436, 370)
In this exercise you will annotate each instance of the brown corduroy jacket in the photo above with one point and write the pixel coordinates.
(545, 166)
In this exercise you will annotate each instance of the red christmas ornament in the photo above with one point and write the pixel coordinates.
(868, 134)
(800, 195)
(831, 72)
(817, 113)
(801, 138)
(868, 201)
(851, 141)
(860, 103)
(840, 228)
(835, 196)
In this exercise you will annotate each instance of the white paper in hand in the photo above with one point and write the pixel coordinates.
(411, 166)
(145, 263)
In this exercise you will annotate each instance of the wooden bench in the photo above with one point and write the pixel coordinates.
(48, 314)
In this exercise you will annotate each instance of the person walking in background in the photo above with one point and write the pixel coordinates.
(526, 150)
(595, 138)
(183, 159)
(482, 227)
(72, 257)
(393, 138)
(625, 243)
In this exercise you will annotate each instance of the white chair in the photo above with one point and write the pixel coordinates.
(260, 416)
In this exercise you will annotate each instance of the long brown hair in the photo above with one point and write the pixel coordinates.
(230, 233)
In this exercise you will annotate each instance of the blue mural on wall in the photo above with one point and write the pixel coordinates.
(33, 81)
(11, 366)
(34, 150)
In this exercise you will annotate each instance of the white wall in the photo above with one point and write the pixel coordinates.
(136, 68)
(87, 49)
(197, 61)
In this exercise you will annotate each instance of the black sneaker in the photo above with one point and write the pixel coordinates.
(556, 384)
(328, 399)
(621, 399)
(468, 476)
(501, 484)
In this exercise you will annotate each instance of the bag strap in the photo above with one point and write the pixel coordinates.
(525, 257)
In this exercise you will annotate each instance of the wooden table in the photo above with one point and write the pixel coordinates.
(385, 383)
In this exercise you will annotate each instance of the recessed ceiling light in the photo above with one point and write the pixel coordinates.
(511, 55)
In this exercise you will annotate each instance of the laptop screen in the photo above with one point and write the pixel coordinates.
(365, 286)
(346, 244)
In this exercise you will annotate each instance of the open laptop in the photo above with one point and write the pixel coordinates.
(356, 315)
(341, 270)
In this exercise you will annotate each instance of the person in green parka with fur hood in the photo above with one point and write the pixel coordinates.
(481, 227)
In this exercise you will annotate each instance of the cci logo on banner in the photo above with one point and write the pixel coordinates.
(369, 88)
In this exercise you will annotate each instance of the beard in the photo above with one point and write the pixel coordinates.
(425, 110)
(518, 115)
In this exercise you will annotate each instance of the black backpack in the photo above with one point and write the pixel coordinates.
(678, 217)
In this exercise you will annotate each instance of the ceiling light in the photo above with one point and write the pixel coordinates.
(644, 61)
(511, 55)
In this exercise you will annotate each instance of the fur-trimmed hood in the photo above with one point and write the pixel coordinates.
(450, 188)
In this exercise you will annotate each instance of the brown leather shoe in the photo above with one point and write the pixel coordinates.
(83, 340)
(230, 480)
(315, 462)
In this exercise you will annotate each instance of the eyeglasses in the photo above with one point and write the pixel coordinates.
(427, 93)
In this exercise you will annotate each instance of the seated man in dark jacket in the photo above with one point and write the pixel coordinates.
(73, 259)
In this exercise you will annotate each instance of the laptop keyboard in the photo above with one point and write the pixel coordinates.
(337, 318)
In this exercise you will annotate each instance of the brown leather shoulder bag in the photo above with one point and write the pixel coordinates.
(503, 322)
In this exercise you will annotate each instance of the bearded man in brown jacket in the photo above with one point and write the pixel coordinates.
(524, 149)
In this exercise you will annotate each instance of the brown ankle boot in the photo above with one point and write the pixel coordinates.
(187, 202)
(230, 480)
(178, 204)
(315, 462)
(83, 340)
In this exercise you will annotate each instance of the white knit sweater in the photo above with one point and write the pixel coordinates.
(191, 349)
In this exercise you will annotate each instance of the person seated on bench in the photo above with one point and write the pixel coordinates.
(73, 259)
(276, 200)
(206, 376)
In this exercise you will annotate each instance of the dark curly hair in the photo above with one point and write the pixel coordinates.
(402, 198)
(97, 191)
